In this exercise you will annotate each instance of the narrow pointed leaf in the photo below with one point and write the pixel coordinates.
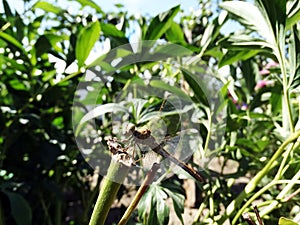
(161, 23)
(172, 89)
(294, 51)
(11, 40)
(293, 14)
(250, 16)
(85, 42)
(197, 85)
(20, 208)
(175, 34)
(91, 4)
(47, 7)
(99, 111)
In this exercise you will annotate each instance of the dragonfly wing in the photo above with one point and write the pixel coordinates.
(184, 145)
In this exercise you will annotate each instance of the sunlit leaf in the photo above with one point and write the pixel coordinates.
(161, 23)
(86, 40)
(293, 13)
(111, 30)
(46, 6)
(250, 16)
(91, 4)
(274, 13)
(294, 51)
(11, 40)
(211, 32)
(175, 33)
(285, 221)
(152, 115)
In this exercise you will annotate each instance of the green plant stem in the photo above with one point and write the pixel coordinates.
(283, 162)
(200, 210)
(208, 136)
(250, 187)
(282, 194)
(112, 182)
(47, 216)
(286, 96)
(85, 214)
(259, 193)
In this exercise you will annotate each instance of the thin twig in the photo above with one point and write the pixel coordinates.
(257, 215)
(292, 195)
(248, 219)
(148, 180)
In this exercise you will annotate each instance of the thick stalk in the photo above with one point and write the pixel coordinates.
(112, 182)
(286, 95)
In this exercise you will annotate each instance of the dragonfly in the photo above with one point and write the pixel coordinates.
(144, 137)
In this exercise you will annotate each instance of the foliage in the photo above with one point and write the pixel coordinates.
(44, 178)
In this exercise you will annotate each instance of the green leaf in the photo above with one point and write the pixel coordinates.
(162, 210)
(111, 30)
(178, 203)
(170, 50)
(20, 208)
(47, 7)
(285, 221)
(144, 203)
(233, 56)
(99, 111)
(117, 37)
(274, 13)
(250, 16)
(11, 40)
(250, 73)
(85, 42)
(294, 52)
(161, 23)
(45, 42)
(211, 32)
(42, 45)
(293, 12)
(7, 10)
(276, 99)
(166, 87)
(175, 34)
(197, 86)
(152, 115)
(19, 85)
(244, 41)
(91, 4)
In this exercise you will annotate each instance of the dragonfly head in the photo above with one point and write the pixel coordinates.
(130, 129)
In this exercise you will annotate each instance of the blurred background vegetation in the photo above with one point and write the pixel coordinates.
(44, 52)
